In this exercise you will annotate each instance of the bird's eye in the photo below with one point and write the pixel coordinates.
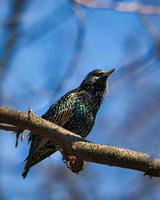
(100, 74)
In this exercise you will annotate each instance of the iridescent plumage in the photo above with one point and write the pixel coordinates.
(75, 111)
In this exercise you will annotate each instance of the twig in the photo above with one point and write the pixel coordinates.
(14, 130)
(73, 144)
(7, 127)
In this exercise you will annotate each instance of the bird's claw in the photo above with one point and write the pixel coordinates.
(73, 163)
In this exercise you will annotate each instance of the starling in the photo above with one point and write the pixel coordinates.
(75, 111)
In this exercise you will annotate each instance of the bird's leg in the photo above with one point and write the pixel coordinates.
(69, 160)
(74, 163)
(68, 166)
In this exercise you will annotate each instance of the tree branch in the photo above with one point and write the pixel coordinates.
(132, 7)
(72, 144)
(7, 127)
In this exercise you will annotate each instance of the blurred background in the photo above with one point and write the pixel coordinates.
(46, 49)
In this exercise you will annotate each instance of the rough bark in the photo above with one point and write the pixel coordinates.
(72, 144)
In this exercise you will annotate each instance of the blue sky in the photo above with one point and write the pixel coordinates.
(36, 66)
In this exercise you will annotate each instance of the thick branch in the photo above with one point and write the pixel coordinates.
(75, 145)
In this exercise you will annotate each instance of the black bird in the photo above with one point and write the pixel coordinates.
(75, 111)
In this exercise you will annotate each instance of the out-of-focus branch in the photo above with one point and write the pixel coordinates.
(137, 65)
(12, 28)
(72, 144)
(44, 25)
(132, 7)
(153, 30)
(12, 33)
(76, 52)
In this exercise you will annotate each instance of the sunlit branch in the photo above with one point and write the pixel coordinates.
(72, 144)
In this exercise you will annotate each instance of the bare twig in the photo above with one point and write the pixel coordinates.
(73, 144)
(14, 130)
(7, 127)
(132, 7)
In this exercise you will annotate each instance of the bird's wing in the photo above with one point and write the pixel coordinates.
(63, 110)
(59, 113)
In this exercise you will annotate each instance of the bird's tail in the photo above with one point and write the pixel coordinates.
(40, 149)
(25, 172)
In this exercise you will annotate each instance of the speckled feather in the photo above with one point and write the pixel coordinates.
(75, 111)
(72, 112)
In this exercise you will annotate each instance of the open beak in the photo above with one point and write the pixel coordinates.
(108, 73)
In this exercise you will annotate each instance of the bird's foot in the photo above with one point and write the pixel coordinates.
(74, 163)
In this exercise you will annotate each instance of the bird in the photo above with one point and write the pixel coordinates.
(75, 111)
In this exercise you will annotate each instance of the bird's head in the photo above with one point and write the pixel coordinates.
(96, 80)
